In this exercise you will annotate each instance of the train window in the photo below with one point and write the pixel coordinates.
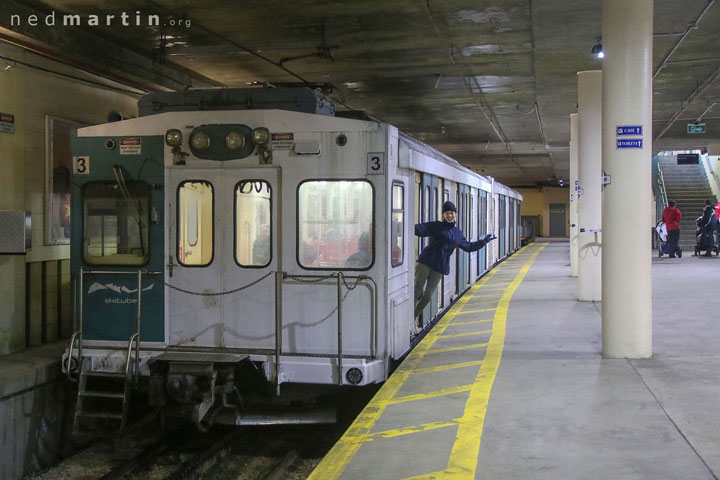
(397, 235)
(339, 234)
(253, 237)
(116, 221)
(195, 228)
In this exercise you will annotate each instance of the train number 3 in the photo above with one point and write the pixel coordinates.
(81, 165)
(375, 163)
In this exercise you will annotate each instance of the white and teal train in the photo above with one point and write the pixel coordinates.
(238, 248)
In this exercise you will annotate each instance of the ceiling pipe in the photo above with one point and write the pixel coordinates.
(542, 134)
(684, 36)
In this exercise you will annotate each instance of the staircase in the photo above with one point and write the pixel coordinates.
(688, 185)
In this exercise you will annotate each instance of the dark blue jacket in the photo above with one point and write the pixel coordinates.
(444, 239)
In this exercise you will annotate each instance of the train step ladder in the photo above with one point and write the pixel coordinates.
(103, 400)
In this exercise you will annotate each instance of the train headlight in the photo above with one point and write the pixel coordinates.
(200, 141)
(234, 141)
(173, 137)
(261, 135)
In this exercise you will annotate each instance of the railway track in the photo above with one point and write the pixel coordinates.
(245, 453)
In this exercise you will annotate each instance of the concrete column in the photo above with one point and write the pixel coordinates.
(573, 194)
(589, 179)
(627, 29)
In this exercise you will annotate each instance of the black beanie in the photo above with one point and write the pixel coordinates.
(449, 207)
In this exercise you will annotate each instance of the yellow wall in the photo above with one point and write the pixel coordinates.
(536, 202)
(29, 95)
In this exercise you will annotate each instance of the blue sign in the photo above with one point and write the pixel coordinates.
(629, 143)
(623, 130)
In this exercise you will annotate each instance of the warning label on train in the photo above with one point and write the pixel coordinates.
(130, 146)
(282, 141)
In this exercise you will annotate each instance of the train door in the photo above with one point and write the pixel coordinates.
(429, 188)
(220, 239)
(482, 230)
(462, 257)
(511, 225)
(502, 206)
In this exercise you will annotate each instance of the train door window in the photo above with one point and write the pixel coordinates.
(471, 229)
(253, 232)
(427, 211)
(446, 195)
(435, 199)
(418, 217)
(195, 229)
(116, 222)
(341, 235)
(397, 230)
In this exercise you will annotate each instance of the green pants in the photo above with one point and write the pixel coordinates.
(426, 281)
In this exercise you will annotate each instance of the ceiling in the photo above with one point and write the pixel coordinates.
(490, 83)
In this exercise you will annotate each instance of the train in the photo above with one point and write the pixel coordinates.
(238, 254)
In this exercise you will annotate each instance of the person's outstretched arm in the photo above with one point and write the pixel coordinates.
(474, 246)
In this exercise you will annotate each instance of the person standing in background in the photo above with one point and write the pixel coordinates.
(672, 216)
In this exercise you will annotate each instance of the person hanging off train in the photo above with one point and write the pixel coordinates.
(434, 260)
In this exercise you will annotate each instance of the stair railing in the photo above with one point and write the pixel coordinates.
(661, 194)
(712, 176)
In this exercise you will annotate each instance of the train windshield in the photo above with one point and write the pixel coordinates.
(335, 225)
(115, 223)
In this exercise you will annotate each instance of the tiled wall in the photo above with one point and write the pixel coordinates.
(30, 95)
(49, 303)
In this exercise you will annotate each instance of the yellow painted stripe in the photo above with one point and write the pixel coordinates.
(473, 322)
(455, 349)
(464, 334)
(464, 456)
(403, 431)
(433, 394)
(335, 462)
(476, 311)
(451, 366)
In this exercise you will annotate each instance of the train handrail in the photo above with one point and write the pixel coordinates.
(76, 335)
(340, 280)
(136, 366)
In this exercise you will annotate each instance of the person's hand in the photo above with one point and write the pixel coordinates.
(490, 236)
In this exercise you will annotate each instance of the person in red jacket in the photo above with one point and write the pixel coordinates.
(672, 216)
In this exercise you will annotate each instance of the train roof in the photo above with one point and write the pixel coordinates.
(305, 100)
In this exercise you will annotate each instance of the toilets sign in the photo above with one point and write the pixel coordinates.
(624, 131)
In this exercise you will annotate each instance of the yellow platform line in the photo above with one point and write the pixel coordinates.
(464, 334)
(335, 462)
(451, 366)
(403, 431)
(472, 322)
(476, 311)
(426, 395)
(455, 349)
(464, 456)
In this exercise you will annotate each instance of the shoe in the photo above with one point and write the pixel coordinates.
(680, 254)
(671, 256)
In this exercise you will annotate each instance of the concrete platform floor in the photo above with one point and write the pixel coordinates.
(556, 409)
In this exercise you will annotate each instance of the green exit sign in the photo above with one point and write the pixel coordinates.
(696, 128)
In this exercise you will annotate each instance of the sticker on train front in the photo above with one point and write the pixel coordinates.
(130, 146)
